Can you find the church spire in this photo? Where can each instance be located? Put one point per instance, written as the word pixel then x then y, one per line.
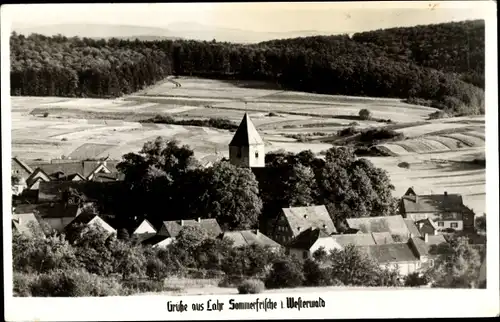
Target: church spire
pixel 247 147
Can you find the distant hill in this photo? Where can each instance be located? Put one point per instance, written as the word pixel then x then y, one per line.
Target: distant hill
pixel 173 31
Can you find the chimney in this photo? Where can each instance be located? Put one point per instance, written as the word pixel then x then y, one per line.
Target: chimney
pixel 182 222
pixel 199 219
pixel 426 238
pixel 257 232
pixel 446 193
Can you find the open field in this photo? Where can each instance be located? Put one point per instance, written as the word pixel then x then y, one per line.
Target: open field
pixel 89 128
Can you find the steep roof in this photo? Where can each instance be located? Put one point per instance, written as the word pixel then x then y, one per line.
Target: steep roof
pixel 307 238
pixel 153 240
pixel 412 228
pixel 246 134
pixel 22 164
pixel 209 225
pixel 433 203
pixel 302 218
pixel 390 253
pixel 86 218
pixel 427 221
pixel 23 222
pixel 35 175
pixel 250 237
pixel 69 167
pixel 391 224
pixel 354 239
pixel 147 223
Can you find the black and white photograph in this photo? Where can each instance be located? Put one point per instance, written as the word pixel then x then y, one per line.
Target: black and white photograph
pixel 238 160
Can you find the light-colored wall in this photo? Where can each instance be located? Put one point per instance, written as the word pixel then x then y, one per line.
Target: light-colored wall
pixel 59 223
pixel 405 268
pixel 328 243
pixel 164 243
pixel 143 228
pixel 248 158
pixel 99 222
pixel 447 224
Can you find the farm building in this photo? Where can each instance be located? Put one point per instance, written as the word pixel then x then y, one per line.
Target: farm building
pixel 250 237
pixel 172 228
pixel 144 228
pixel 76 170
pixel 90 219
pixel 311 240
pixel 395 225
pixel 247 148
pixel 24 223
pixel 447 210
pixel 295 220
pixel 400 255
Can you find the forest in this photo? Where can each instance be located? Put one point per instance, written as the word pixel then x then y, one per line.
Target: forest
pixel 439 65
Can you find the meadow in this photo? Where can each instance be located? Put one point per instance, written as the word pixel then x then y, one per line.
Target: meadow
pixel 437 150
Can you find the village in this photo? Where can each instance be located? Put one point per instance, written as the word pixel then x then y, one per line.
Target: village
pixel 403 241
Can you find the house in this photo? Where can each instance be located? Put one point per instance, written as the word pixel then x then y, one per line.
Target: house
pixel 447 210
pixel 24 223
pixel 295 220
pixel 157 241
pixel 427 226
pixel 58 216
pixel 397 255
pixel 172 228
pixel 76 170
pixel 247 148
pixel 33 181
pixel 395 225
pixel 250 237
pixel 20 168
pixel 145 228
pixel 89 219
pixel 311 240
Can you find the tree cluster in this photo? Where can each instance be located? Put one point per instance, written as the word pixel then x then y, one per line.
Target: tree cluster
pixel 412 62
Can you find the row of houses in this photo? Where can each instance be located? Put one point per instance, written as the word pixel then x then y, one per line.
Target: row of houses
pixel 57 170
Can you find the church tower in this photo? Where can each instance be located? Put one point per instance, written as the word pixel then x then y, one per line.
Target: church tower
pixel 247 147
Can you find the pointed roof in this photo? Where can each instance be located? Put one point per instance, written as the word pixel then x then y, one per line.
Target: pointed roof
pixel 246 134
pixel 23 164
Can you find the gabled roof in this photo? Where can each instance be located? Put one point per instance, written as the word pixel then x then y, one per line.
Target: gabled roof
pixel 22 222
pixel 144 222
pixel 390 253
pixel 410 192
pixel 86 218
pixel 412 228
pixel 36 175
pixel 391 224
pixel 249 237
pixel 302 218
pixel 429 222
pixel 70 167
pixel 209 225
pixel 354 239
pixel 72 177
pixel 307 238
pixel 22 164
pixel 246 134
pixel 433 203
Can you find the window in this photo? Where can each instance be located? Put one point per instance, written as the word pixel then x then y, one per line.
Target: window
pixel 256 154
pixel 440 224
pixel 454 225
pixel 305 254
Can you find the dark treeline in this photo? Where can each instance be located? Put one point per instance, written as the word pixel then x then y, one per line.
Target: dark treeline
pixel 369 64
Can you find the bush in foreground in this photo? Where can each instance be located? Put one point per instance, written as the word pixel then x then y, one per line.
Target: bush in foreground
pixel 61 283
pixel 285 274
pixel 251 287
pixel 22 283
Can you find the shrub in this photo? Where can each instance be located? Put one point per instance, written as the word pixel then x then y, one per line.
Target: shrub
pixel 251 287
pixel 45 114
pixel 365 114
pixel 353 124
pixel 230 281
pixel 272 114
pixel 378 134
pixel 348 131
pixel 64 139
pixel 156 269
pixel 404 165
pixel 314 275
pixel 416 279
pixel 22 283
pixel 66 283
pixel 285 274
pixel 438 115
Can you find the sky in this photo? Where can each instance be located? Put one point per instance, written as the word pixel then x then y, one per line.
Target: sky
pixel 262 17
